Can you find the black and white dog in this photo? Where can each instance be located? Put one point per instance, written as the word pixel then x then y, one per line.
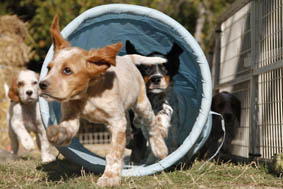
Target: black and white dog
pixel 158 80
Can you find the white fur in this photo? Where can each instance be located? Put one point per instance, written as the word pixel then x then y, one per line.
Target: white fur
pixel 138 59
pixel 6 88
pixel 24 117
pixel 66 53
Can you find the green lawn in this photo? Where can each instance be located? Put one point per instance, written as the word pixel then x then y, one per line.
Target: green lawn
pixel 29 172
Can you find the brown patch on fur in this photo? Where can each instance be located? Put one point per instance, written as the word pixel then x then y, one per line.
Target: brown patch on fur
pixel 58 40
pixel 146 79
pixel 69 108
pixel 167 79
pixel 111 174
pixel 121 136
pixel 69 137
pixel 13 93
pixel 101 59
pixel 79 80
pixel 50 65
pixel 102 83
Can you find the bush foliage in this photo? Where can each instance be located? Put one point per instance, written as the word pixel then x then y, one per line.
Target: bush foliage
pixel 39 14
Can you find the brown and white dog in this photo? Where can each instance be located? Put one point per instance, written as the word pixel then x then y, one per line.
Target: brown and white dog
pixel 101 87
pixel 23 115
pixel 159 85
pixel 229 107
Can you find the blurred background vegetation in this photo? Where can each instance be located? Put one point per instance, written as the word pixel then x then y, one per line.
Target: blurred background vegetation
pixel 197 16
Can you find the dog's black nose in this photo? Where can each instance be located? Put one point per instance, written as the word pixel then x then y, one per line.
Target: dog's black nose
pixel 155 79
pixel 29 92
pixel 43 85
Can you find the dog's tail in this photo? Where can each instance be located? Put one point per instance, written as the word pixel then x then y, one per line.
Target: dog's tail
pixel 139 59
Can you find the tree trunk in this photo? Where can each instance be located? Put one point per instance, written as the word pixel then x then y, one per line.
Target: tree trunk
pixel 200 23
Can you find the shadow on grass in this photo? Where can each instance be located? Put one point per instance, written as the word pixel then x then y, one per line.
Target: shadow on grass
pixel 61 169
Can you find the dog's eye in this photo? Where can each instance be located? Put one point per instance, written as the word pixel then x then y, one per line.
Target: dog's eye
pixel 34 83
pixel 67 71
pixel 163 69
pixel 147 69
pixel 20 84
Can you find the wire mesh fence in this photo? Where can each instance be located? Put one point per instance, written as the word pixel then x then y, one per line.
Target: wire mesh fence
pixel 250 66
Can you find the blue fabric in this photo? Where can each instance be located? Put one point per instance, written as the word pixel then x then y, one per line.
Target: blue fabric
pixel 149 30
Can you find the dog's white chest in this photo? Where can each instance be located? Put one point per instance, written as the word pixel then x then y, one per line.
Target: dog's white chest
pixel 27 115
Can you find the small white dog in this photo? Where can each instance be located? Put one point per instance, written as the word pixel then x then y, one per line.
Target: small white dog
pixel 23 115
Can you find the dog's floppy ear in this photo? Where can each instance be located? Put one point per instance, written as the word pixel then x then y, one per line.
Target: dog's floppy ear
pixel 130 48
pixel 98 61
pixel 13 93
pixel 175 51
pixel 58 41
pixel 173 59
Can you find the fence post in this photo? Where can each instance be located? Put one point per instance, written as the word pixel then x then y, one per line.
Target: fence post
pixel 217 56
pixel 254 134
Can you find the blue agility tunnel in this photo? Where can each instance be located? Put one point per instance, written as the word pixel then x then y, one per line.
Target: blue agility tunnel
pixel 150 30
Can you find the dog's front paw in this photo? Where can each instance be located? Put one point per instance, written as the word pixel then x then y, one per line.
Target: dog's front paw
pixel 104 181
pixel 158 146
pixel 58 135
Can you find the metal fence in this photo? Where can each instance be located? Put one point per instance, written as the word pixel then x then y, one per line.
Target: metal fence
pixel 249 63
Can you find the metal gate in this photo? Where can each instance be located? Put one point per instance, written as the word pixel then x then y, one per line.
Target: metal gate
pixel 249 63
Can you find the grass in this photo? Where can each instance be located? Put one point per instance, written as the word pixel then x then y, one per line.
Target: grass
pixel 29 172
